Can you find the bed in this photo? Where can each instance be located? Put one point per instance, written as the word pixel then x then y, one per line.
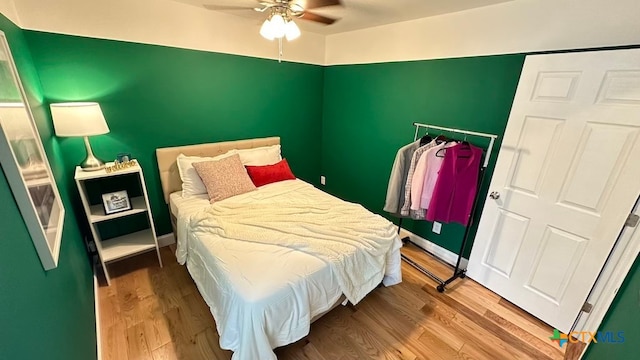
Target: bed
pixel 266 278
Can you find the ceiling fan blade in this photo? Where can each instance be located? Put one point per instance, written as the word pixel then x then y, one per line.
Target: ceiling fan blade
pixel 226 7
pixel 314 4
pixel 317 18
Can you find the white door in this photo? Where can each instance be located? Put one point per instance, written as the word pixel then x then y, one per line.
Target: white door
pixel 568 175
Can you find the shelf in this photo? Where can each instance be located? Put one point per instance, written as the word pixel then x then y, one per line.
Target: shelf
pixel 82 175
pixel 138 205
pixel 121 246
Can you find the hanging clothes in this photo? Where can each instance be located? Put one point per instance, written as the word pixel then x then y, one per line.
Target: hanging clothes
pixel 398 178
pixel 434 164
pixel 456 186
pixel 406 207
pixel 424 163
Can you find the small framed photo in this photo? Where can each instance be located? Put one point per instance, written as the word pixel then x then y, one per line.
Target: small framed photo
pixel 115 202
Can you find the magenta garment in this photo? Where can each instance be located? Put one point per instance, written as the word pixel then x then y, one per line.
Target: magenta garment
pixel 457 185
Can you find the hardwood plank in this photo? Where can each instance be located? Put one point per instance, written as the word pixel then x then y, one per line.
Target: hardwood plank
pixel 181 277
pixel 547 347
pixel 440 346
pixel 109 311
pixel 196 313
pixel 400 326
pixel 415 316
pixel 404 298
pixel 211 337
pixel 204 349
pixel 427 261
pixel 182 341
pixel 503 341
pixel 394 322
pixel 164 288
pixel 525 321
pixel 137 348
pixel 476 352
pixel 142 283
pixel 310 352
pixel 574 350
pixel 397 343
pixel 163 314
pixel 165 352
pixel 333 346
pixel 364 338
pixel 156 328
pixel 128 300
pixel 114 342
pixel 439 322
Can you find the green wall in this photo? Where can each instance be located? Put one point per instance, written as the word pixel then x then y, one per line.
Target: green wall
pixel 156 96
pixel 623 315
pixel 345 122
pixel 44 315
pixel 369 111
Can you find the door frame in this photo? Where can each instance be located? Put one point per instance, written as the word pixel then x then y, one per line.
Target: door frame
pixel 614 271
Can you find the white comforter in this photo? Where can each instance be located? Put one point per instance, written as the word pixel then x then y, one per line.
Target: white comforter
pixel 291 216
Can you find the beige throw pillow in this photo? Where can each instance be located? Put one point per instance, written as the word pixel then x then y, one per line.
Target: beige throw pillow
pixel 224 178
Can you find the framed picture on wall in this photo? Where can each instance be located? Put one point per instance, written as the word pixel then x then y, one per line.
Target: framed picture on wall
pixel 25 164
pixel 116 202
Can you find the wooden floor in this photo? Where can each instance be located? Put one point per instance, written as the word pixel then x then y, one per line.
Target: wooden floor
pixel 153 313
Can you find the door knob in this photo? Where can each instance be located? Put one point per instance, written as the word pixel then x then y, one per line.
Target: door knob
pixel 494 195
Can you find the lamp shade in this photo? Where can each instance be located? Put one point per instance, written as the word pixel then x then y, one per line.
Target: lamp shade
pixel 277 26
pixel 267 30
pixel 292 30
pixel 78 119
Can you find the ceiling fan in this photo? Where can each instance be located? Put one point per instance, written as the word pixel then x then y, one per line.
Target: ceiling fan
pixel 280 14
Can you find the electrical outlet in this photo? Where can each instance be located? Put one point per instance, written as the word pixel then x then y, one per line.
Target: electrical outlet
pixel 437 227
pixel 323 180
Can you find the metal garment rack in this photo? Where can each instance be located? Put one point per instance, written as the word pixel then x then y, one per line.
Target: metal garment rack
pixel 457 272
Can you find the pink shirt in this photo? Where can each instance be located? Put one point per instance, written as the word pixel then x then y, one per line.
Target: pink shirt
pixel 431 176
pixel 457 185
pixel 424 162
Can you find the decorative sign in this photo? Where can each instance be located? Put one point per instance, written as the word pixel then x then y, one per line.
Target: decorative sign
pixel 120 166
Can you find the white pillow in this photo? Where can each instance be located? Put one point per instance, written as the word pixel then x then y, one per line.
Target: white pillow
pixel 191 182
pixel 266 155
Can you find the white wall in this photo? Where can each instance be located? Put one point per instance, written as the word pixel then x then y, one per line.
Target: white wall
pixel 163 22
pixel 7 8
pixel 512 27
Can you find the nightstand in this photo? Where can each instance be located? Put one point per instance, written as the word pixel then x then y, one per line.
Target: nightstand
pixel 122 234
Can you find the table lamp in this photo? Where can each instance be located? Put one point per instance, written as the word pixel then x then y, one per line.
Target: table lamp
pixel 80 119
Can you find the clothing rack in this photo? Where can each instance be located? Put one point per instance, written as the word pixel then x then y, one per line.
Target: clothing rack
pixel 457 272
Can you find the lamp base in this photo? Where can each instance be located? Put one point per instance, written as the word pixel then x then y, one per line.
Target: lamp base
pixel 91 163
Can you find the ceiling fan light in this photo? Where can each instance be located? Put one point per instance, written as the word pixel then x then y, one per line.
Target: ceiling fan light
pixel 266 30
pixel 278 26
pixel 292 31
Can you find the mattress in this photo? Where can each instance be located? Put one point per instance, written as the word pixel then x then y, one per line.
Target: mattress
pixel 189 204
pixel 262 295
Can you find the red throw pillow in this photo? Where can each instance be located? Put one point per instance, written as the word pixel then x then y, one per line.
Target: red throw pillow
pixel 267 174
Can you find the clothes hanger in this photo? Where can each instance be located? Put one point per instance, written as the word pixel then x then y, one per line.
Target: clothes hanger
pixel 441 138
pixel 425 139
pixel 464 145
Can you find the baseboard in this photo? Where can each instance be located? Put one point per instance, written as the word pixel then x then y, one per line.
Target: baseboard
pixel 97 311
pixel 437 250
pixel 166 240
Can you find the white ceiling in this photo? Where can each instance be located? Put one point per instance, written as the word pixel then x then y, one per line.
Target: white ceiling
pixel 358 14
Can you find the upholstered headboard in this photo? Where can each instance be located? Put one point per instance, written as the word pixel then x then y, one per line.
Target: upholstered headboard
pixel 169 176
